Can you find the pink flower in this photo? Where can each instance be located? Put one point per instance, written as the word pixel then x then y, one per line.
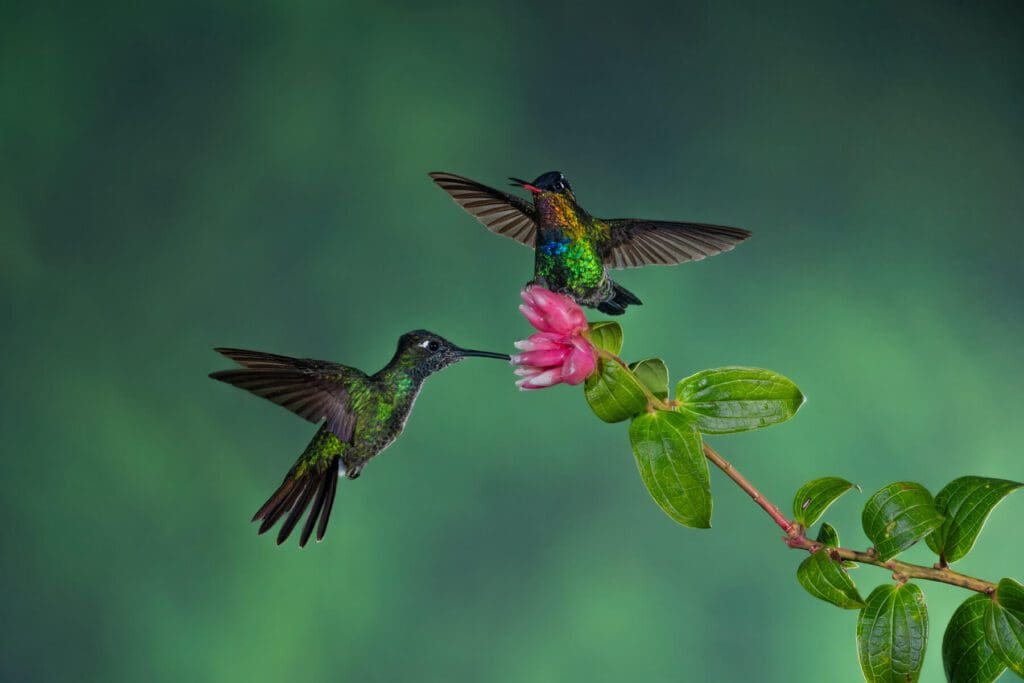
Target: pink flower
pixel 559 352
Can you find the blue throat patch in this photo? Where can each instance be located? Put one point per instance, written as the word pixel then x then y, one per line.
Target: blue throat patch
pixel 556 246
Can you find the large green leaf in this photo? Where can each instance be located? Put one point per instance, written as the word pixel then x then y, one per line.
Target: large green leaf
pixel 892 634
pixel 966 654
pixel 653 374
pixel 606 335
pixel 814 497
pixel 1004 624
pixel 736 399
pixel 898 516
pixel 672 465
pixel 613 393
pixel 824 577
pixel 966 503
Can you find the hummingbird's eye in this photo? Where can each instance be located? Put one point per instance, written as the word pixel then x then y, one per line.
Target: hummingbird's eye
pixel 433 345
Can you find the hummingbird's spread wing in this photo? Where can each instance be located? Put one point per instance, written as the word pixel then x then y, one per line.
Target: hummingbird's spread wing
pixel 635 242
pixel 313 389
pixel 502 213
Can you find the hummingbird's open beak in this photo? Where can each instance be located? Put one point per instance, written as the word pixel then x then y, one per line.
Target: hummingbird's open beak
pixel 484 354
pixel 516 182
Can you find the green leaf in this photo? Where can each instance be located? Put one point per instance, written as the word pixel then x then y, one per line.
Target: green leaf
pixel 613 393
pixel 966 503
pixel 892 633
pixel 735 399
pixel 828 536
pixel 898 516
pixel 672 465
pixel 653 374
pixel 814 497
pixel 966 654
pixel 824 577
pixel 606 335
pixel 1004 624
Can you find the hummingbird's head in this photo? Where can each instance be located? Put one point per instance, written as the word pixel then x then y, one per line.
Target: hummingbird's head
pixel 552 181
pixel 429 352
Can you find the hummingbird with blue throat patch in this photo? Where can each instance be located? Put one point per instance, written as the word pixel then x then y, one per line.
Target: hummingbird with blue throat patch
pixel 573 250
pixel 360 416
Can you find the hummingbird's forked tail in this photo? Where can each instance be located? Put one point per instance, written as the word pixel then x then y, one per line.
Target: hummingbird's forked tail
pixel 304 481
pixel 621 298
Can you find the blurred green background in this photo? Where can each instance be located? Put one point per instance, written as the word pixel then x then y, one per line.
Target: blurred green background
pixel 178 176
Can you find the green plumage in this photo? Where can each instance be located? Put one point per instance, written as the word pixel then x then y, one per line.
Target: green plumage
pixel 361 415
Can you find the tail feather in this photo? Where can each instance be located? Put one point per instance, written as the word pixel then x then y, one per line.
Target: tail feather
pixel 293 497
pixel 314 512
pixel 325 514
pixel 297 510
pixel 621 298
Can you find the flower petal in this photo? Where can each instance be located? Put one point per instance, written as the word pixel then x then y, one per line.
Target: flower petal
pixel 558 310
pixel 527 296
pixel 535 318
pixel 544 379
pixel 541 341
pixel 543 359
pixel 578 366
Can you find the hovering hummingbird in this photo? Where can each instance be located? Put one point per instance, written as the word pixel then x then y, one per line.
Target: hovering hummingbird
pixel 361 414
pixel 574 250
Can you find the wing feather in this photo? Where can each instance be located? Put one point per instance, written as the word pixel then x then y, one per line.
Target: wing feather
pixel 636 242
pixel 500 212
pixel 313 389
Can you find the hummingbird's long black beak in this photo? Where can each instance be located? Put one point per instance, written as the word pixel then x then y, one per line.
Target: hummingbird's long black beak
pixel 483 354
pixel 516 182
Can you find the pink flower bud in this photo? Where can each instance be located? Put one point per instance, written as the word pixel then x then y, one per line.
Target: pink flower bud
pixel 559 353
pixel 550 312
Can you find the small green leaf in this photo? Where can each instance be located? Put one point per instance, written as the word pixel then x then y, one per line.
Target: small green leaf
pixel 814 497
pixel 828 536
pixel 1004 624
pixel 653 374
pixel 892 634
pixel 966 654
pixel 672 465
pixel 966 503
pixel 736 399
pixel 824 577
pixel 606 335
pixel 613 393
pixel 898 516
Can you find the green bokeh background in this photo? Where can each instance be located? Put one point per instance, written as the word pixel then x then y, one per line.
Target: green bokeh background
pixel 183 175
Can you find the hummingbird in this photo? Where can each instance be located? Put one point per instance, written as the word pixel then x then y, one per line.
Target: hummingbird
pixel 574 250
pixel 360 416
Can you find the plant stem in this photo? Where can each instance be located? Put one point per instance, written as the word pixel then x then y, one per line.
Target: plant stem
pixel 773 510
pixel 795 538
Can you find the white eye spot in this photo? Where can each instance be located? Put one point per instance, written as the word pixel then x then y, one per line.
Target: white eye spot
pixel 424 344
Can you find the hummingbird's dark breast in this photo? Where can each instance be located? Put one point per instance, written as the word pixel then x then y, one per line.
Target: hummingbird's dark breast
pixel 381 413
